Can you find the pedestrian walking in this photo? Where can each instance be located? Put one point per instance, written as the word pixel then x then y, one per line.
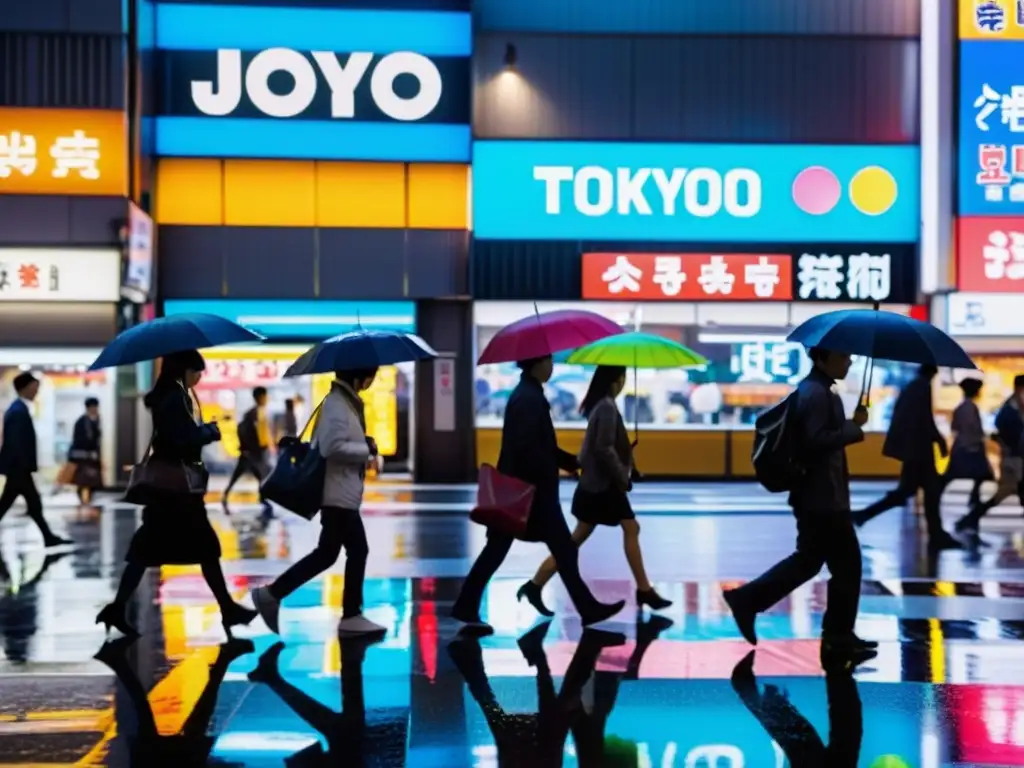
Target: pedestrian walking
pixel 340 436
pixel 175 529
pixel 821 505
pixel 85 451
pixel 911 439
pixel 18 460
pixel 253 447
pixel 606 475
pixel 1010 437
pixel 530 453
pixel 967 458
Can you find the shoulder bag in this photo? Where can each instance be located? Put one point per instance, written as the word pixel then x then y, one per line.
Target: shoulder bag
pixel 297 480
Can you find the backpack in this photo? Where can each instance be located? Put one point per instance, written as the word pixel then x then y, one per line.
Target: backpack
pixel 774 455
pixel 248 435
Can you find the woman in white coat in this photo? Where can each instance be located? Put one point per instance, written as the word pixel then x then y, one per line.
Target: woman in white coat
pixel 340 436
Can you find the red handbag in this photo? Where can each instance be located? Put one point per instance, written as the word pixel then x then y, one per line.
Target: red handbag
pixel 502 502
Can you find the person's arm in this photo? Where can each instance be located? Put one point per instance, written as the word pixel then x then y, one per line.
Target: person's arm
pixel 819 433
pixel 176 426
pixel 522 436
pixel 605 425
pixel 333 434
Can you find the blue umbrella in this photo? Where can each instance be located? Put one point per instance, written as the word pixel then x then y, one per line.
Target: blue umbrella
pixel 883 336
pixel 165 335
pixel 361 349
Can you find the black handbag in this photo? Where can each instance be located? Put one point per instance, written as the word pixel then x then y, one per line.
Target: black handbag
pixel 154 479
pixel 297 481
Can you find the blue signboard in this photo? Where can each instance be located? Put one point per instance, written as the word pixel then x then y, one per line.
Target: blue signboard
pixel 313 83
pixel 304 320
pixel 991 128
pixel 695 192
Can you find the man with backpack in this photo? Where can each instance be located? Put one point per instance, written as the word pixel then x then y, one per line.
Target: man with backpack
pixel 811 438
pixel 253 445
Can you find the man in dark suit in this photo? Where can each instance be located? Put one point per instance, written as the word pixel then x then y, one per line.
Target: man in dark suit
pixel 18 458
pixel 530 452
pixel 821 505
pixel 911 439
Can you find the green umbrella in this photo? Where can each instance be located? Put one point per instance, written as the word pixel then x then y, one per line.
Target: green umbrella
pixel 637 350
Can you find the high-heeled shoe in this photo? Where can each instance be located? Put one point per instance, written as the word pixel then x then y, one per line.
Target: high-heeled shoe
pixel 532 593
pixel 112 616
pixel 237 616
pixel 652 599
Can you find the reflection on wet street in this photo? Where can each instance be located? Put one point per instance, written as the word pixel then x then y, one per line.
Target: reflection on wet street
pixel 679 689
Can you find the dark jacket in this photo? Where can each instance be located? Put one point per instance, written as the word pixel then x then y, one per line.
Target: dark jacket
pixel 1009 426
pixel 176 435
pixel 18 452
pixel 824 434
pixel 249 434
pixel 606 458
pixel 85 441
pixel 530 452
pixel 912 432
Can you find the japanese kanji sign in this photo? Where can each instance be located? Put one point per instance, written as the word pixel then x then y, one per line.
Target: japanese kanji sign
pixel 687 276
pixel 63 152
pixel 860 273
pixel 991 128
pixel 45 274
pixel 990 254
pixel 991 20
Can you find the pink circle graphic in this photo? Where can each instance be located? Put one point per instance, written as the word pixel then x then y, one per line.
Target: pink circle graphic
pixel 816 190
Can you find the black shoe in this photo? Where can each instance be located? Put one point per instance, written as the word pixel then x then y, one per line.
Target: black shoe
pixel 943 541
pixel 52 542
pixel 744 617
pixel 532 592
pixel 531 645
pixel 602 612
pixel 233 649
pixel 843 656
pixel 113 651
pixel 851 642
pixel 652 599
pixel 237 615
pixel 968 522
pixel 113 616
pixel 472 625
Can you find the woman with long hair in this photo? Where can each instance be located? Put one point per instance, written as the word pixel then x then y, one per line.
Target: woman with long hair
pixel 606 475
pixel 175 530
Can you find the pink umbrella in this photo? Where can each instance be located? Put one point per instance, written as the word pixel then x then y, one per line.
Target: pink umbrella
pixel 545 334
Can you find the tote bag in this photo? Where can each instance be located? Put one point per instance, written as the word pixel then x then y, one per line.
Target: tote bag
pixel 502 502
pixel 297 482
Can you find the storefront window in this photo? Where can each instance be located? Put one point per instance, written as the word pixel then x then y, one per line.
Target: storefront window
pixel 225 394
pixel 64 386
pixel 750 367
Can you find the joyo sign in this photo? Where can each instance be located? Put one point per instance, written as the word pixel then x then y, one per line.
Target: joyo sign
pixel 223 96
pixel 695 193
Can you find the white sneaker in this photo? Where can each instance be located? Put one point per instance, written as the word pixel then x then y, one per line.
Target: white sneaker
pixel 268 608
pixel 359 625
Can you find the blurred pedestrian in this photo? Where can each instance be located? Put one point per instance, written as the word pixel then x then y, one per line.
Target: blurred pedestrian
pixel 967 458
pixel 530 453
pixel 18 458
pixel 606 475
pixel 821 505
pixel 290 423
pixel 176 530
pixel 253 447
pixel 912 439
pixel 1010 437
pixel 85 451
pixel 340 436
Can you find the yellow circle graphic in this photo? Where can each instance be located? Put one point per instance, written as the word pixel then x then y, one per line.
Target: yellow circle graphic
pixel 873 190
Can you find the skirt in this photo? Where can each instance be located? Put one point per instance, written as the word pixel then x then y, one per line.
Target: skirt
pixel 174 534
pixel 968 465
pixel 609 507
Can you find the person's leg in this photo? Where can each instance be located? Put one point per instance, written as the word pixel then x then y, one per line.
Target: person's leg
pixel 356 551
pixel 214 576
pixel 934 485
pixel 323 556
pixel 547 569
pixel 975 498
pixel 837 538
pixel 1006 488
pixel 319 717
pixel 241 467
pixel 566 555
pixel 904 490
pixel 635 558
pixel 467 606
pixel 9 495
pixel 34 511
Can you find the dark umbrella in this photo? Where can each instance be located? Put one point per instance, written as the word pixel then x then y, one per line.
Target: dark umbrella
pixel 165 335
pixel 361 349
pixel 882 335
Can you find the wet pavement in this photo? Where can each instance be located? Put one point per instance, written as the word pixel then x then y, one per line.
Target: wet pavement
pixel 667 691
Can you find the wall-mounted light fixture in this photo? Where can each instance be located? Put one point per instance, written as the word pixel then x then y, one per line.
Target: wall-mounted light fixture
pixel 511 56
